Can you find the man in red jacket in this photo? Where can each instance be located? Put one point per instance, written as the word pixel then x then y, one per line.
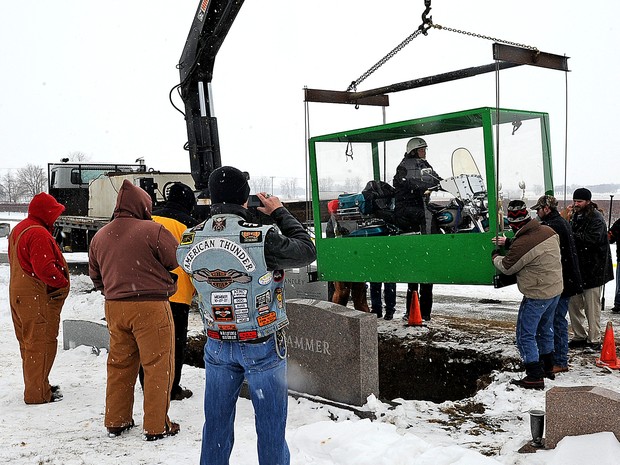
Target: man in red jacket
pixel 38 287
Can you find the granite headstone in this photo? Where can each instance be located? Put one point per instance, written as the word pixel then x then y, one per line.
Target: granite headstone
pixel 298 285
pixel 88 333
pixel 332 350
pixel 578 410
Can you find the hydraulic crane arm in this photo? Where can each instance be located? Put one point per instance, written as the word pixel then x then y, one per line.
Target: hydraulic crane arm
pixel 211 24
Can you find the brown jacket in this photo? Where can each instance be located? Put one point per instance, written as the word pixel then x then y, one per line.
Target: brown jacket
pixel 534 256
pixel 131 257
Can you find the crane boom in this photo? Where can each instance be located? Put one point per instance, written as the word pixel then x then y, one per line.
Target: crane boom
pixel 210 26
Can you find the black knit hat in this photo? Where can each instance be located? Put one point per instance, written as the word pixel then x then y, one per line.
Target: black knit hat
pixel 182 194
pixel 582 194
pixel 229 185
pixel 518 214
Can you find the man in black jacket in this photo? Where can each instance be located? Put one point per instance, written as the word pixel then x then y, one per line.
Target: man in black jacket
pixel 547 210
pixel 414 176
pixel 590 233
pixel 614 238
pixel 237 267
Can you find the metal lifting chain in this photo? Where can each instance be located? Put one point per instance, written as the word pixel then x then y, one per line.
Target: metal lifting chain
pixel 427 23
pixel 480 36
pixel 382 61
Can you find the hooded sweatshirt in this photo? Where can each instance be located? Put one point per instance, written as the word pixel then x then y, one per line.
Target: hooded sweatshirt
pixel 38 253
pixel 131 257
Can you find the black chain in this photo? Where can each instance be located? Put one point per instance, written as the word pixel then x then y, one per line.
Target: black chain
pixel 427 23
pixel 480 36
pixel 382 61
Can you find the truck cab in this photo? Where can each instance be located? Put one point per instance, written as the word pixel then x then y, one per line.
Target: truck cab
pixel 68 182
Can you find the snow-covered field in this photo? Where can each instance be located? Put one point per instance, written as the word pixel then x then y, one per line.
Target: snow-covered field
pixel 71 432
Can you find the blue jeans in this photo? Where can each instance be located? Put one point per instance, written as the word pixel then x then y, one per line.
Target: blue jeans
pixel 389 294
pixel 226 365
pixel 560 333
pixel 535 328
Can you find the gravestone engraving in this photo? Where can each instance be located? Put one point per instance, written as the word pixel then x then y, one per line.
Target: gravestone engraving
pixel 332 350
pixel 578 410
pixel 299 287
pixel 88 333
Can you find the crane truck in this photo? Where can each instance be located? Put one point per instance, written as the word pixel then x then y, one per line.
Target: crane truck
pixel 89 190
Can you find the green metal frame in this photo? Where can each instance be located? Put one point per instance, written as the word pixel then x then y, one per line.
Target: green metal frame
pixel 463 258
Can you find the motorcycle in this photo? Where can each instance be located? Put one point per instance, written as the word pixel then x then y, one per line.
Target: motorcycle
pixel 467 211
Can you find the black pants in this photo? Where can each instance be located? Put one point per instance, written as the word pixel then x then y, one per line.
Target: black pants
pixel 180 315
pixel 425 295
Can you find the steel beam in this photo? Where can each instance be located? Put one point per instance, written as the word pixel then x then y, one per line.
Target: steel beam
pixel 525 56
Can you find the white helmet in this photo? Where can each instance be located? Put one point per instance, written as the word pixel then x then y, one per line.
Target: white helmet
pixel 415 143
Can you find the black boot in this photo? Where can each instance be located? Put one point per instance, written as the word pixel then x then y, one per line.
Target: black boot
pixel 534 376
pixel 547 360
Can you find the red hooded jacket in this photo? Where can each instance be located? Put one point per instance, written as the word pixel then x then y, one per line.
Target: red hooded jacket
pixel 38 253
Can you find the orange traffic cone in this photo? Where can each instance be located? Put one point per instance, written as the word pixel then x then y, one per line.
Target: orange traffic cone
pixel 608 358
pixel 415 315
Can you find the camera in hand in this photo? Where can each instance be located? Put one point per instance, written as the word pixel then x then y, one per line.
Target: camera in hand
pixel 254 201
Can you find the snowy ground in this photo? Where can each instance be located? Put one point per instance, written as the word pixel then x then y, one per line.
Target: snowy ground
pixel 71 432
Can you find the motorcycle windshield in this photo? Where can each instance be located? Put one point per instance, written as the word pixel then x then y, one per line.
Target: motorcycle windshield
pixel 463 163
pixel 466 182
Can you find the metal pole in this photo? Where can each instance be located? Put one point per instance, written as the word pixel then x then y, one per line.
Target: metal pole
pixel 607 256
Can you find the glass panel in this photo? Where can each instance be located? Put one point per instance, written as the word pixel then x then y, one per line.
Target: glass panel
pixel 521 166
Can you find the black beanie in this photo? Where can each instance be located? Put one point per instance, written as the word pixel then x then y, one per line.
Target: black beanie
pixel 182 194
pixel 582 194
pixel 229 185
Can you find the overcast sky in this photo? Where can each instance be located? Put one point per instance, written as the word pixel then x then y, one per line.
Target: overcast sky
pixel 94 77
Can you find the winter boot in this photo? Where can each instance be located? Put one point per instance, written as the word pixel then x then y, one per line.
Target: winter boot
pixel 547 360
pixel 534 378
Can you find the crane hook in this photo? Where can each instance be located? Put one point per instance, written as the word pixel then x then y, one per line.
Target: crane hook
pixel 427 21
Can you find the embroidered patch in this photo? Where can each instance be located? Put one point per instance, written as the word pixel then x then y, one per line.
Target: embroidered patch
pixel 219 224
pixel 268 318
pixel 220 279
pixel 240 302
pixel 263 299
pixel 249 237
pixel 213 334
pixel 218 243
pixel 245 224
pixel 221 298
pixel 223 313
pixel 265 279
pixel 187 238
pixel 228 335
pixel 247 335
pixel 278 275
pixel 227 327
pixel 279 292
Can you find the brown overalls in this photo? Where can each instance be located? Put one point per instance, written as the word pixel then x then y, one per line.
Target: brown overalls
pixel 141 332
pixel 357 292
pixel 36 318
